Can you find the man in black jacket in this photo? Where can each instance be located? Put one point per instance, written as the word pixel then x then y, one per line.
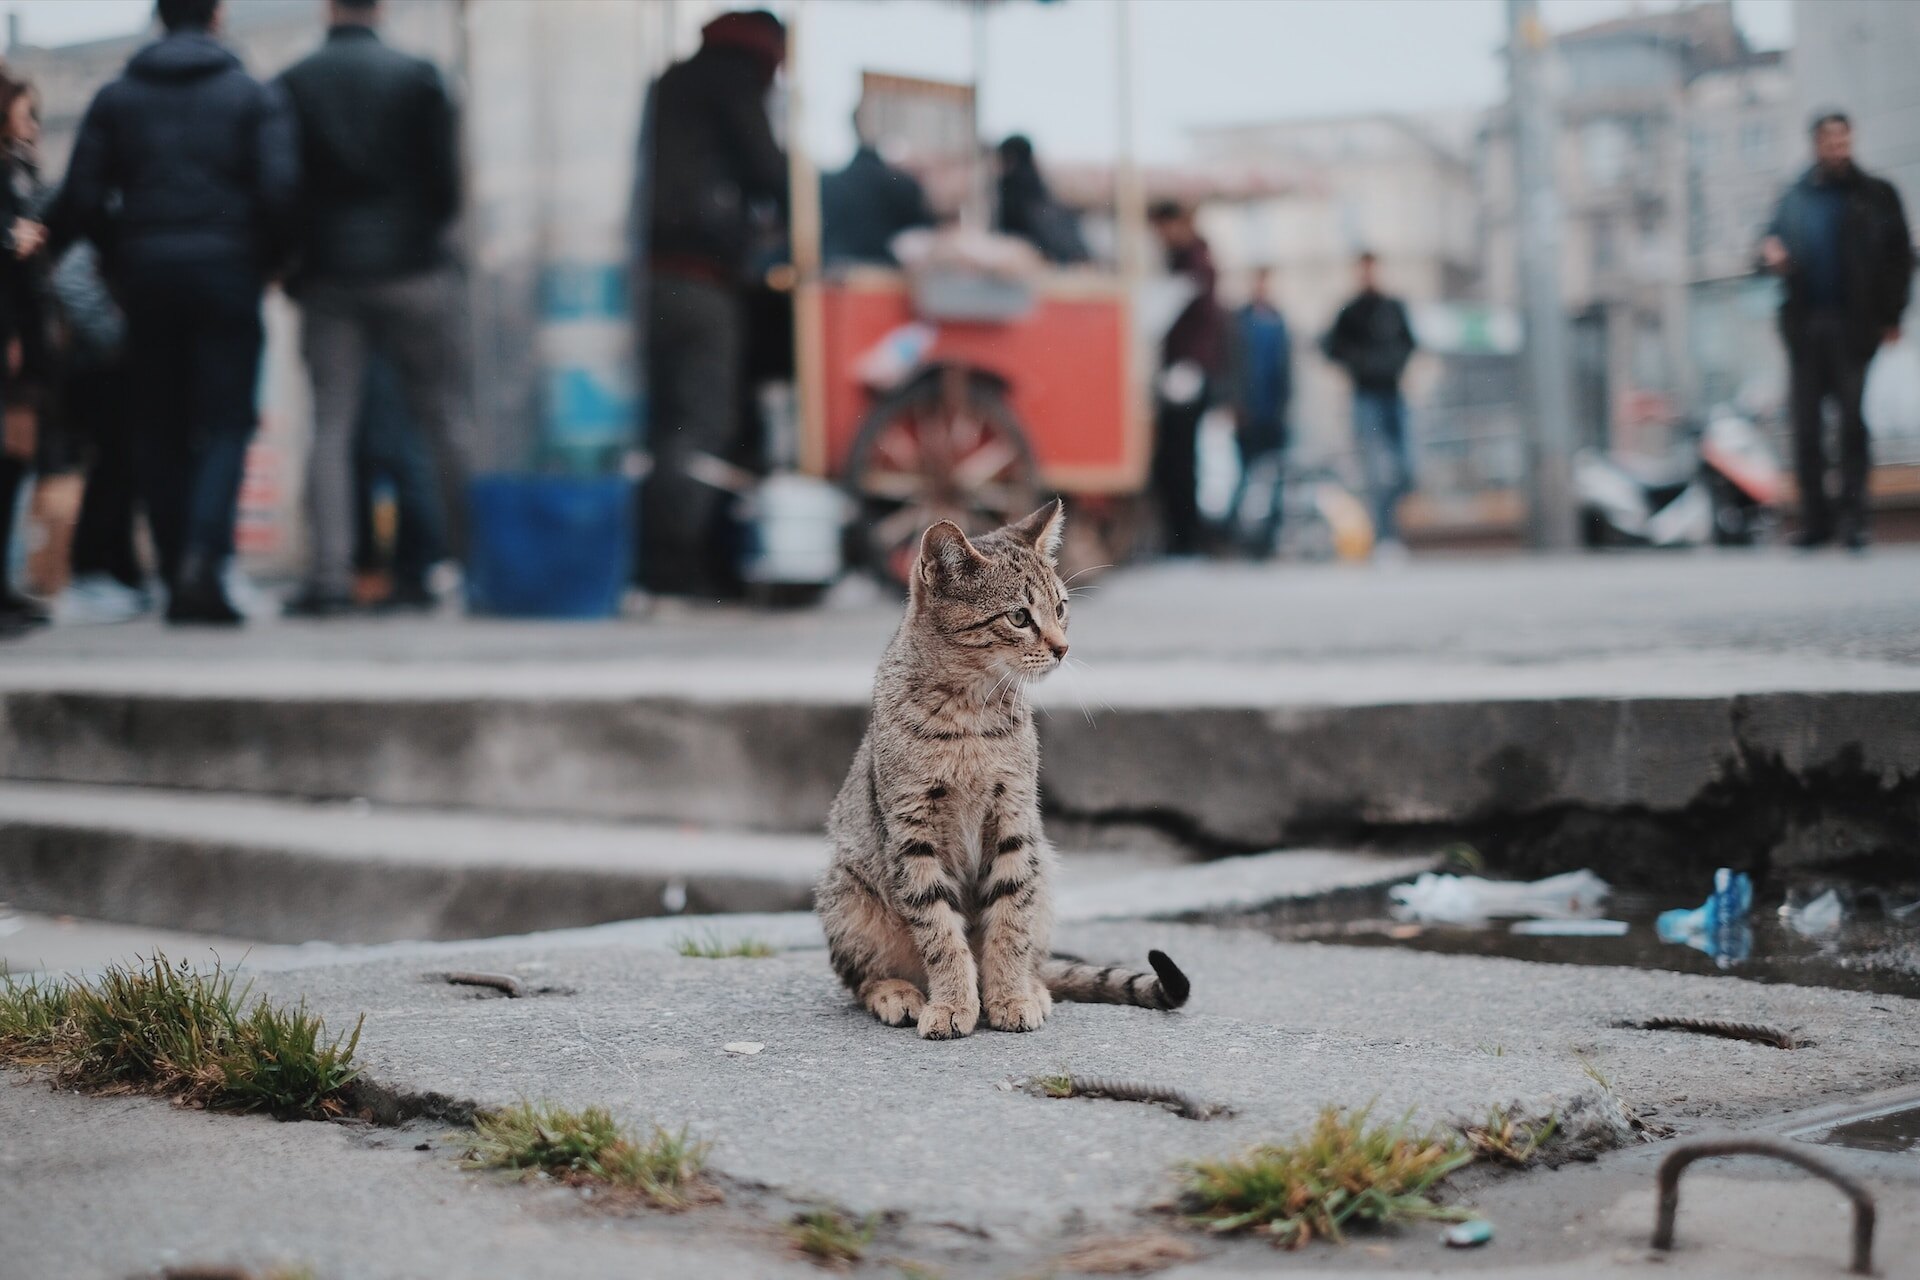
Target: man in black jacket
pixel 377 142
pixel 712 158
pixel 1840 239
pixel 186 175
pixel 1372 340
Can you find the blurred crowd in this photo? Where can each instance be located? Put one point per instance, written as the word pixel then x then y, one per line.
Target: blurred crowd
pixel 131 335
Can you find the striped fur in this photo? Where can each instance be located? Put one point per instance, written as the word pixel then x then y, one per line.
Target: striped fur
pixel 936 905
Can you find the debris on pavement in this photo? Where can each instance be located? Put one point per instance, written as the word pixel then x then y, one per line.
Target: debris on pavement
pixel 505 984
pixel 1751 1031
pixel 1451 899
pixel 1470 1234
pixel 1719 926
pixel 1128 1255
pixel 1816 919
pixel 1180 1103
pixel 747 1047
pixel 1570 928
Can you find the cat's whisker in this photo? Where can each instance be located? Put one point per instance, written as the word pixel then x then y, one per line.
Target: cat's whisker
pixel 1092 568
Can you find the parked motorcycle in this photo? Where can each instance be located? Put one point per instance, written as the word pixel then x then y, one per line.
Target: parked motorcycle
pixel 1726 492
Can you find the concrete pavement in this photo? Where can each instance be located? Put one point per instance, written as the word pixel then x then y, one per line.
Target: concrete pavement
pixel 981 1179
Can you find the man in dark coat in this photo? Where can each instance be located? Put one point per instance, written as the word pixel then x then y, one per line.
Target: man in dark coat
pixel 1840 239
pixel 186 174
pixel 865 205
pixel 378 144
pixel 1372 340
pixel 1193 357
pixel 708 158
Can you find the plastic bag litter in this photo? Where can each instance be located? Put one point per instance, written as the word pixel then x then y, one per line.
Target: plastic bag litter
pixel 1451 899
pixel 1717 926
pixel 1817 918
pixel 1569 928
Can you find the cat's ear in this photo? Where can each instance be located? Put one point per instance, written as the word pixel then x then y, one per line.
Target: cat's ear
pixel 945 552
pixel 1044 529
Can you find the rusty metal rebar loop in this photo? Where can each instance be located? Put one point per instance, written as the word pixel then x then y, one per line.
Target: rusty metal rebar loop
pixel 1674 1165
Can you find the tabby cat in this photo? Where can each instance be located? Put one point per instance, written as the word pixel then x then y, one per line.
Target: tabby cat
pixel 936 904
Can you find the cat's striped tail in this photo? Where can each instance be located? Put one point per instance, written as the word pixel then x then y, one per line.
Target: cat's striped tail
pixel 1070 978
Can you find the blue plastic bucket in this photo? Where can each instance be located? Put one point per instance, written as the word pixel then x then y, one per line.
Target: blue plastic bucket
pixel 549 546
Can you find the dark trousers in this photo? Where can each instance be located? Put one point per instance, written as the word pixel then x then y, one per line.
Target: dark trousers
pixel 1824 362
pixel 1175 478
pixel 193 358
pixel 103 537
pixel 1380 428
pixel 695 365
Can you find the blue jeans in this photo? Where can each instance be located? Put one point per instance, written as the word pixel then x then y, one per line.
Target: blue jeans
pixel 1380 428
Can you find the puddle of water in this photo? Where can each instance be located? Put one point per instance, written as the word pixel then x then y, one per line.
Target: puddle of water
pixel 1868 952
pixel 1897 1131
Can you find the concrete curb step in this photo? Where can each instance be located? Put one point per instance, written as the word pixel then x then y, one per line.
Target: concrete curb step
pixel 287 872
pixel 1216 777
pixel 281 872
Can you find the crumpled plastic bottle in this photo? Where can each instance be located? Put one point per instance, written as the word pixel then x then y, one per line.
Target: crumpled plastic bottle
pixel 1717 926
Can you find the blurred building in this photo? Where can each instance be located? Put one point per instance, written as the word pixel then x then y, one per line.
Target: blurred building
pixel 1673 140
pixel 550 97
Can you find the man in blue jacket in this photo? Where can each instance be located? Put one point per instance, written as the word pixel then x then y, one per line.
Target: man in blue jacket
pixel 1260 389
pixel 1839 238
pixel 186 175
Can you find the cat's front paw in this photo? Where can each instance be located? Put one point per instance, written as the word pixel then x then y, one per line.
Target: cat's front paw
pixel 1020 1010
pixel 947 1022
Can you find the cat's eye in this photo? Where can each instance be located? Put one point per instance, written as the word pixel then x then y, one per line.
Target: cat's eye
pixel 1020 618
pixel 1060 610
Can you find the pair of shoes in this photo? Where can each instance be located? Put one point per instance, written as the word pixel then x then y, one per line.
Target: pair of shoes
pixel 199 601
pixel 317 604
pixel 99 599
pixel 1811 539
pixel 21 611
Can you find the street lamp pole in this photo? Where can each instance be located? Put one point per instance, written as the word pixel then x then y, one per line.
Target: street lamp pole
pixel 1549 369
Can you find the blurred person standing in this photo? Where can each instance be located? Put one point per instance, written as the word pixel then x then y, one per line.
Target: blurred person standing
pixel 1192 360
pixel 109 582
pixel 23 331
pixel 379 150
pixel 712 159
pixel 386 451
pixel 1839 239
pixel 1025 206
pixel 866 204
pixel 1260 389
pixel 1372 340
pixel 186 175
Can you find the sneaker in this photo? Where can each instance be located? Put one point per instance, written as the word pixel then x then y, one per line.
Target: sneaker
pixel 99 599
pixel 318 605
pixel 20 609
pixel 200 602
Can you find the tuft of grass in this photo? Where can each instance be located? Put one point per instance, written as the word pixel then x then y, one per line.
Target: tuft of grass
pixel 1592 1072
pixel 160 1028
pixel 1493 1050
pixel 1504 1140
pixel 1059 1085
pixel 590 1146
pixel 32 1012
pixel 714 947
pixel 831 1238
pixel 1339 1174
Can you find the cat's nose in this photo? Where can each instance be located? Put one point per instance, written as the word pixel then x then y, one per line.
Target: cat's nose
pixel 1059 648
